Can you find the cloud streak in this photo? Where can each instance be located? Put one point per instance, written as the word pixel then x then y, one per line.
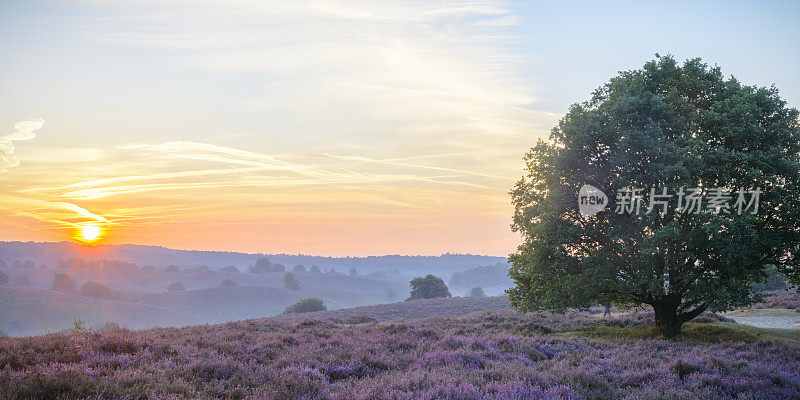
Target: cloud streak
pixel 23 130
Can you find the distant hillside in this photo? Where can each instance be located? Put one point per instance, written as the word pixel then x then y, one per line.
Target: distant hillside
pixel 493 279
pixel 51 252
pixel 28 311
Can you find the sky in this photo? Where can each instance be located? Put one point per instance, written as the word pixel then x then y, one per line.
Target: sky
pixel 321 127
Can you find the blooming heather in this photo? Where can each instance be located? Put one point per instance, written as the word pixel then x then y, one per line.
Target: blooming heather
pixel 485 355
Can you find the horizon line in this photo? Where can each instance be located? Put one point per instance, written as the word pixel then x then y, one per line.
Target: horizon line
pixel 256 254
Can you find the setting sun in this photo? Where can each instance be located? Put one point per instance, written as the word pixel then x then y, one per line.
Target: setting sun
pixel 89 233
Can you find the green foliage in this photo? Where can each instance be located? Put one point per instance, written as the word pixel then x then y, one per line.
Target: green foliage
pixel 352 271
pixel 477 292
pixel 315 269
pixel 429 287
pixel 64 283
pixel 662 126
pixel 299 268
pixel 291 282
pixel 391 295
pixel 3 278
pixel 230 268
pixel 310 304
pixel 176 287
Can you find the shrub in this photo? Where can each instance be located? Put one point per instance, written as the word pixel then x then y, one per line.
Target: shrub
pixel 173 269
pixel 391 295
pixel 28 264
pixel 228 283
pixel 263 265
pixel 299 268
pixel 315 269
pixel 176 287
pixel 310 304
pixel 477 292
pixel 377 275
pixel 230 268
pixel 3 278
pixel 291 282
pixel 194 270
pixel 22 281
pixel 429 287
pixel 64 283
pixel 3 264
pixel 352 271
pixel 96 290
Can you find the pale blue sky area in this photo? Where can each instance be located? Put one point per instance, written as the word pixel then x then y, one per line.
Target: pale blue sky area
pixel 57 63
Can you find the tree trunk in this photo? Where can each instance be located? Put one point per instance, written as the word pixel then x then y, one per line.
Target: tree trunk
pixel 669 320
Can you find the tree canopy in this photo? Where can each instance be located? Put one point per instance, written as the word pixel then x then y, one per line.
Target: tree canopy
pixel 429 287
pixel 666 129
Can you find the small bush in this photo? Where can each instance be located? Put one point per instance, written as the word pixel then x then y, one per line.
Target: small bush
pixel 291 282
pixel 477 292
pixel 3 278
pixel 310 304
pixel 299 268
pixel 230 268
pixel 64 283
pixel 228 283
pixel 315 269
pixel 96 290
pixel 176 287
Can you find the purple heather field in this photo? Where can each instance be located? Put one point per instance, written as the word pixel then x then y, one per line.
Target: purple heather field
pixel 496 354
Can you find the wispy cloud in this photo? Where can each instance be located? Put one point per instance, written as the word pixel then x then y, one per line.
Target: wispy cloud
pixel 23 130
pixel 378 117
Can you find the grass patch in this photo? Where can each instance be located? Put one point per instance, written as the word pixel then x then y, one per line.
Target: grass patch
pixel 718 333
pixel 715 333
pixel 763 312
pixel 789 336
pixel 615 332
